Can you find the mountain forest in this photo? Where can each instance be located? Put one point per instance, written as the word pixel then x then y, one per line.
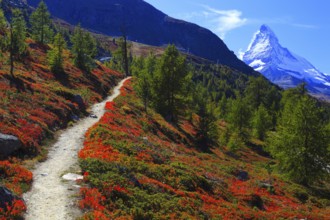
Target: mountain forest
pixel 185 137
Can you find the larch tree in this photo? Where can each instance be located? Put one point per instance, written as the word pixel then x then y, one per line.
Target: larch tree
pixel 261 122
pixel 83 48
pixel 17 35
pixel 145 78
pixel 55 55
pixel 3 22
pixel 3 27
pixel 301 141
pixel 239 115
pixel 41 24
pixel 207 128
pixel 171 81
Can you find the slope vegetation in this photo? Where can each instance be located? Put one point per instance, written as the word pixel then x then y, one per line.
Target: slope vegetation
pixel 36 103
pixel 138 166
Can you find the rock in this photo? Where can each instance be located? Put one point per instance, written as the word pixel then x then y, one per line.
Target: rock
pixel 72 177
pixel 242 175
pixel 44 174
pixel 6 197
pixel 74 118
pixel 92 116
pixel 105 59
pixel 268 186
pixel 9 144
pixel 79 100
pixel 256 201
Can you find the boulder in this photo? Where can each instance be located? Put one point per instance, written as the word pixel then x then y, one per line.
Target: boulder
pixel 6 197
pixel 79 100
pixel 255 201
pixel 242 175
pixel 8 144
pixel 72 177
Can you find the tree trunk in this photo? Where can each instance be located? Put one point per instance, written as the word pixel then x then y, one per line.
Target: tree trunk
pixel 125 56
pixel 11 51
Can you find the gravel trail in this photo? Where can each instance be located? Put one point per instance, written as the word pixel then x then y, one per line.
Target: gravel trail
pixel 51 197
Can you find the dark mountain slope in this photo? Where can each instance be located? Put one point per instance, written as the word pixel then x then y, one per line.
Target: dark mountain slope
pixel 145 24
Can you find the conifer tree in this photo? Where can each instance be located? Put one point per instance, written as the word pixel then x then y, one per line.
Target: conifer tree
pixel 145 72
pixel 83 48
pixel 207 129
pixel 17 35
pixel 120 60
pixel 171 82
pixel 239 115
pixel 223 106
pixel 301 142
pixel 261 122
pixel 41 24
pixel 55 55
pixel 3 27
pixel 143 88
pixel 3 23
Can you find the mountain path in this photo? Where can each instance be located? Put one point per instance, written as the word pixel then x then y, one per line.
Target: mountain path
pixel 51 197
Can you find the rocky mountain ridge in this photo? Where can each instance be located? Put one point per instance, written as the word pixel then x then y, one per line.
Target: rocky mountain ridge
pixel 145 24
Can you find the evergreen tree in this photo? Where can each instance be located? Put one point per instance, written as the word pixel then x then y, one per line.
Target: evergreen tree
pixel 171 81
pixel 239 115
pixel 207 129
pixel 144 70
pixel 91 46
pixel 3 23
pixel 120 60
pixel 261 122
pixel 235 142
pixel 41 24
pixel 222 106
pixel 137 65
pixel 55 55
pixel 301 142
pixel 256 92
pixel 17 35
pixel 3 26
pixel 83 48
pixel 143 88
pixel 124 54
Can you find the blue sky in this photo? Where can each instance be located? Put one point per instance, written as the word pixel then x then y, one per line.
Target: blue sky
pixel 303 26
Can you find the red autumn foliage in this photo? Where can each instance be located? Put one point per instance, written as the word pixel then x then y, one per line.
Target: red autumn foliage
pixel 110 106
pixel 39 102
pixel 165 161
pixel 13 176
pixel 92 199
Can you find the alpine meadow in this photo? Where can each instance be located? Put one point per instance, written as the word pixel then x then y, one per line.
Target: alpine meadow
pixel 112 109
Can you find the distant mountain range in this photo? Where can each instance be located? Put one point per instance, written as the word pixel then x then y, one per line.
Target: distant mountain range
pixel 145 24
pixel 281 66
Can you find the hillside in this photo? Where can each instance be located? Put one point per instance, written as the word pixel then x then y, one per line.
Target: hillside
pixel 138 166
pixel 37 103
pixel 143 23
pixel 183 138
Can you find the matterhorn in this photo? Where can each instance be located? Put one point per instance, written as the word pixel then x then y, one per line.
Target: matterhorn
pixel 281 66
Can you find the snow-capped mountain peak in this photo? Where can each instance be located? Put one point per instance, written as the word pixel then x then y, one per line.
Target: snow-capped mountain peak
pixel 266 55
pixel 264 38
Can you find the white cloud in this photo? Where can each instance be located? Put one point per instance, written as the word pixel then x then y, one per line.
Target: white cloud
pixel 224 20
pixel 240 54
pixel 306 26
pixel 219 21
